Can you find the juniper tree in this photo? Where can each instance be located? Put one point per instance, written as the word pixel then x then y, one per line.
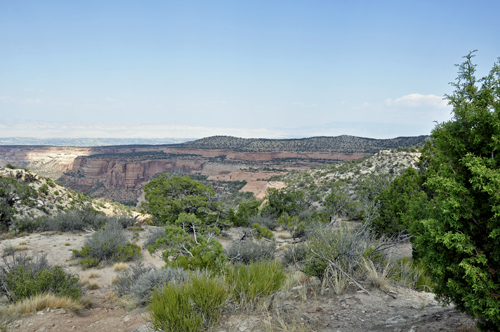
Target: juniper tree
pixel 456 227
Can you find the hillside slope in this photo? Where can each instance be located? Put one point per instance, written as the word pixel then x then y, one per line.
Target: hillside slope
pixel 317 183
pixel 49 198
pixel 339 144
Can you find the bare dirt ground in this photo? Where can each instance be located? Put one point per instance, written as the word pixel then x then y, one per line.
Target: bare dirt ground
pixel 302 308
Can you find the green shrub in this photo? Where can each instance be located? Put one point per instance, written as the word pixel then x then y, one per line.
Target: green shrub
pixel 11 192
pixel 190 251
pixel 249 283
pixel 262 231
pixel 27 224
pixel 192 306
pixel 50 182
pixel 128 277
pixel 281 201
pixel 169 196
pixel 171 309
pixel 245 211
pixel 147 282
pixel 345 246
pixel 153 235
pixel 294 254
pixel 107 245
pixel 250 251
pixel 22 278
pixel 411 273
pixel 294 225
pixel 44 189
pixel 10 166
pixel 268 222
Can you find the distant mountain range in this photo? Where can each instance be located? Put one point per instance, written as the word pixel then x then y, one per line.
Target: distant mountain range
pixel 338 144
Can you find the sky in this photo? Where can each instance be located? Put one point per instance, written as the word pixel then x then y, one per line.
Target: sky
pixel 274 69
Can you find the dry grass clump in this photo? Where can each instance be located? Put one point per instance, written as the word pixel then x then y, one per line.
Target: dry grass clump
pixel 379 277
pixel 93 275
pixel 120 266
pixel 284 236
pixel 8 249
pixel 43 301
pixel 93 285
pixel 115 279
pixel 21 248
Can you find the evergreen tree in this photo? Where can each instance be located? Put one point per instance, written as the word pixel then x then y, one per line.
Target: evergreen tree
pixel 456 228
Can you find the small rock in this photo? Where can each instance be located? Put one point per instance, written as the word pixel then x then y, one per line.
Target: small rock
pixel 126 319
pixel 42 329
pixel 243 328
pixel 58 311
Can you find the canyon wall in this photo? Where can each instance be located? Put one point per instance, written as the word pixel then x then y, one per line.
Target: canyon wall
pixel 120 172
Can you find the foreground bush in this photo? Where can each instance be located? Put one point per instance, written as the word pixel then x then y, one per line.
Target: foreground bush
pixel 249 283
pixel 106 246
pixel 249 251
pixel 22 278
pixel 127 278
pixel 191 306
pixel 347 253
pixel 146 283
pixel 458 235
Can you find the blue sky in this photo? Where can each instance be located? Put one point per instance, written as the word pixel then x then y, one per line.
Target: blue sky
pixel 242 68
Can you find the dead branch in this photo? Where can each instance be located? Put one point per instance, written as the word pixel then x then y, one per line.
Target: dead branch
pixel 342 271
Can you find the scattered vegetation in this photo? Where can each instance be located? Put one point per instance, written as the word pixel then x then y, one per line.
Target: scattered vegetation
pixel 250 251
pixel 255 281
pixel 262 231
pixel 107 245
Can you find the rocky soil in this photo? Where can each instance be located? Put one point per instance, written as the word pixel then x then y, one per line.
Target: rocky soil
pixel 304 305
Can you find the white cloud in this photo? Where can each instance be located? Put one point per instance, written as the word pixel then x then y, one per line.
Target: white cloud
pixel 418 100
pixel 27 89
pixel 4 97
pixel 111 99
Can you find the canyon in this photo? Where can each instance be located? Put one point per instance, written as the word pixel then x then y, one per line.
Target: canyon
pixel 120 172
